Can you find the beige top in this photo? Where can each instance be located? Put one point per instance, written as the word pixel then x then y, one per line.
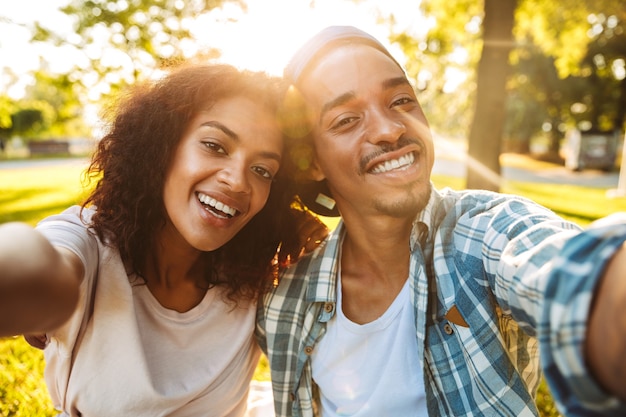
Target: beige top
pixel 135 358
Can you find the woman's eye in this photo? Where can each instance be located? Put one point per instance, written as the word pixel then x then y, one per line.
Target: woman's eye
pixel 215 147
pixel 263 173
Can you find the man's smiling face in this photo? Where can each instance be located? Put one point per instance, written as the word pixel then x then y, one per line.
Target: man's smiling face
pixel 372 140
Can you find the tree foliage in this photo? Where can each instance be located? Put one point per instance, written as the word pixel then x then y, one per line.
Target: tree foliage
pixel 591 96
pixel 556 58
pixel 484 143
pixel 50 109
pixel 449 48
pixel 7 108
pixel 65 117
pixel 119 42
pixel 123 40
pixel 26 118
pixel 561 29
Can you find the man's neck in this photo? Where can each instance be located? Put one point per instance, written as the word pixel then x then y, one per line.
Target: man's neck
pixel 374 267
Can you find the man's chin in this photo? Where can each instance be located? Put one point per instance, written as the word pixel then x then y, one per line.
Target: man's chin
pixel 408 207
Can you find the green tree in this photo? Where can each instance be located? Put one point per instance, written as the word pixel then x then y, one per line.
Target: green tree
pixel 62 94
pixel 485 136
pixel 121 42
pixel 124 40
pixel 7 108
pixel 604 64
pixel 539 99
pixel 559 30
pixel 27 119
pixel 450 46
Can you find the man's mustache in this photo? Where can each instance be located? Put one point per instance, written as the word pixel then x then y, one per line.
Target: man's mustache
pixel 386 147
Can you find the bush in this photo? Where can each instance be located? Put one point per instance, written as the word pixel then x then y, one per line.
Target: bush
pixel 22 390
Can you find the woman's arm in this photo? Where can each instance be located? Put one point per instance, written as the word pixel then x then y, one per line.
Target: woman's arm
pixel 606 334
pixel 38 282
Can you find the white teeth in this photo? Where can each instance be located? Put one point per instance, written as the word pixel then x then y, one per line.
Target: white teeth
pixel 217 205
pixel 402 162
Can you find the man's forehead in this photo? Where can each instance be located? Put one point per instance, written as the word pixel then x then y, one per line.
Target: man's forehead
pixel 348 69
pixel 325 41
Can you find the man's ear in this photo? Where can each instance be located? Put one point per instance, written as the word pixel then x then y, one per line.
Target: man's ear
pixel 315 172
pixel 314 193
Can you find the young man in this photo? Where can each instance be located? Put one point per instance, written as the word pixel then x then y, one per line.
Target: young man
pixel 428 302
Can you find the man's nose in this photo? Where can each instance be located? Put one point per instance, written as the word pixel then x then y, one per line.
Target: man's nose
pixel 385 126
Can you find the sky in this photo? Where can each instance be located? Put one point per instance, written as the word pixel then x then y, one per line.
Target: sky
pixel 262 39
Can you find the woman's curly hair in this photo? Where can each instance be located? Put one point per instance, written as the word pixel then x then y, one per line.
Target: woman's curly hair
pixel 131 161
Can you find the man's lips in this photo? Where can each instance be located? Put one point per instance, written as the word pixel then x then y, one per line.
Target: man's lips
pixel 392 156
pixel 399 163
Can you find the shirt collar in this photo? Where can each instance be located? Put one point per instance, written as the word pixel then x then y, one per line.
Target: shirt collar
pixel 325 265
pixel 423 224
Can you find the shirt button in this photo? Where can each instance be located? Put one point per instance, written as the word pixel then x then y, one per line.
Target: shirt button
pixel 308 350
pixel 292 396
pixel 328 307
pixel 448 329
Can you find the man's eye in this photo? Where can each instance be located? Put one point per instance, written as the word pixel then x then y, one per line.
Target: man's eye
pixel 401 101
pixel 263 173
pixel 215 147
pixel 344 121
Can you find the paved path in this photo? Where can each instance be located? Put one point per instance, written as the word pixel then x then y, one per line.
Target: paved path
pixel 562 175
pixel 451 159
pixel 46 162
pixel 556 175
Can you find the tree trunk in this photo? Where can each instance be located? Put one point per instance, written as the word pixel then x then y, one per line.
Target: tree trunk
pixel 485 138
pixel 620 114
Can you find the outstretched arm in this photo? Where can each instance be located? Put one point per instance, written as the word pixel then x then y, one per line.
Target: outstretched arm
pixel 606 335
pixel 38 282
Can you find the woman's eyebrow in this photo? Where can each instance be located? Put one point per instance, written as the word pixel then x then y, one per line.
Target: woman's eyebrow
pixel 235 137
pixel 223 128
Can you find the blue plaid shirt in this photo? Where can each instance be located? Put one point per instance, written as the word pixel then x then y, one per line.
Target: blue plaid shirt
pixel 496 281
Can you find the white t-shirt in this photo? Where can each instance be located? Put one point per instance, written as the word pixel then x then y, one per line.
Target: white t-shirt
pixel 126 355
pixel 372 369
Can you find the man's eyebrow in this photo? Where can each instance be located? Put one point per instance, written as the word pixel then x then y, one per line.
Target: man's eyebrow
pixel 394 82
pixel 345 97
pixel 337 101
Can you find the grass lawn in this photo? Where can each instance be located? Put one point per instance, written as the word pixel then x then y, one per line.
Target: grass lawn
pixel 31 194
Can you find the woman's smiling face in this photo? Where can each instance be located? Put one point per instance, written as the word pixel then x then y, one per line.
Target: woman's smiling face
pixel 221 172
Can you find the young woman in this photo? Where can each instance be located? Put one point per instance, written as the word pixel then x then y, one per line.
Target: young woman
pixel 147 292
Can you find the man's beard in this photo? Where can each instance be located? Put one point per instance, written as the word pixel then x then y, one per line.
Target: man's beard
pixel 414 201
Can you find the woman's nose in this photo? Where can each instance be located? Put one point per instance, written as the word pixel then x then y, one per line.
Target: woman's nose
pixel 235 176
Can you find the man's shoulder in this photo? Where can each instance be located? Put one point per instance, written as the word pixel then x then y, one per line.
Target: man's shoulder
pixel 479 201
pixel 313 277
pixel 305 269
